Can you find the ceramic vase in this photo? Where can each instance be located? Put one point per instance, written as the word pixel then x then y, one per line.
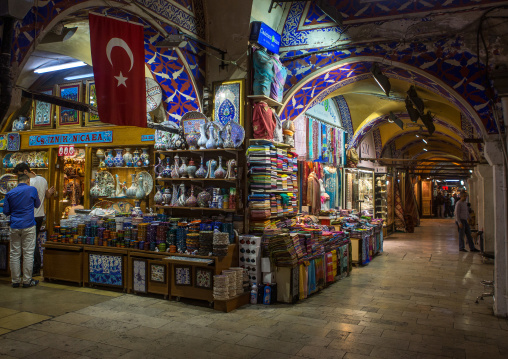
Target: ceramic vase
pixel 110 160
pixel 191 169
pixel 201 172
pixel 118 160
pixel 231 169
pixel 220 172
pixel 136 210
pixel 182 170
pixel 127 157
pixel 100 154
pixel 140 193
pixel 166 172
pixel 176 166
pixel 135 158
pixel 144 156
pixel 159 141
pixel 158 169
pixel 182 198
pixel 174 196
pixel 192 140
pixel 131 191
pixel 203 199
pixel 192 200
pixel 202 139
pixel 157 198
pixel 228 143
pixel 220 142
pixel 211 165
pixel 166 197
pixel 211 143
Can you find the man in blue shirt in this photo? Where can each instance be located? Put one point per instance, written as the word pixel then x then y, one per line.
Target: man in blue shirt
pixel 20 203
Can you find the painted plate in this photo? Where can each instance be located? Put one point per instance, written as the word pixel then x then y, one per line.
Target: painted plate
pixel 13 141
pixel 8 182
pixel 191 122
pixel 103 205
pixel 122 207
pixel 147 181
pixel 153 94
pixel 7 160
pixel 3 142
pixel 237 134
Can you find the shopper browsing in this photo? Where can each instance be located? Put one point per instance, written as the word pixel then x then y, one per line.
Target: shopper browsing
pixel 43 192
pixel 20 203
pixel 462 218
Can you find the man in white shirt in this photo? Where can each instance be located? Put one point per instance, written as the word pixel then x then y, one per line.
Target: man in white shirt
pixel 43 192
pixel 462 218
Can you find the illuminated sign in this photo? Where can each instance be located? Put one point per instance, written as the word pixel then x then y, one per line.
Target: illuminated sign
pixel 71 138
pixel 265 36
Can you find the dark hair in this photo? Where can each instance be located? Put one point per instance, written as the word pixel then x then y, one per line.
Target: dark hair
pixel 23 178
pixel 468 204
pixel 21 167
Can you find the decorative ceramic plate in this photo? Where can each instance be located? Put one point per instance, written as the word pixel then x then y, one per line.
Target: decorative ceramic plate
pixel 147 181
pixel 13 141
pixel 106 180
pixel 191 122
pixel 3 142
pixel 237 134
pixel 122 207
pixel 7 160
pixel 153 94
pixel 103 205
pixel 25 157
pixel 8 182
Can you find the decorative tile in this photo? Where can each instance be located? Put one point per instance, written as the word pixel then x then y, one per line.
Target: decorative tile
pixel 139 275
pixel 158 273
pixel 227 103
pixel 183 275
pixel 204 278
pixel 13 141
pixel 105 269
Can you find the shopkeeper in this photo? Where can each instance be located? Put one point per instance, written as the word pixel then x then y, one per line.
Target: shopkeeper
pixel 43 192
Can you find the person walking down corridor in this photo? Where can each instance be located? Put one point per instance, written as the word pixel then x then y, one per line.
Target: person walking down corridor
pixel 20 203
pixel 439 205
pixel 462 218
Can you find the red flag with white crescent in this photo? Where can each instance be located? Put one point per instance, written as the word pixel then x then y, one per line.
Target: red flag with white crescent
pixel 118 58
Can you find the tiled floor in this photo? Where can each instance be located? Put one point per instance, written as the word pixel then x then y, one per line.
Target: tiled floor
pixel 414 301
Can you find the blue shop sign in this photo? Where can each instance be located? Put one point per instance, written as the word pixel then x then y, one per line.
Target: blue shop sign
pixel 71 138
pixel 147 138
pixel 265 36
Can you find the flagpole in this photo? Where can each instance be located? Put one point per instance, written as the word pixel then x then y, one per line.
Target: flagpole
pixel 116 18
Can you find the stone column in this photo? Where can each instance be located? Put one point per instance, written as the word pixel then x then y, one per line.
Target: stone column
pixel 473 194
pixel 486 206
pixel 494 154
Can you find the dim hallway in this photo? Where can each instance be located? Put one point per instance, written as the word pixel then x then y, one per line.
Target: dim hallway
pixel 416 300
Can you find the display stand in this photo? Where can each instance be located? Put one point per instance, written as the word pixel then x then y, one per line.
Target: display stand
pixel 63 262
pixel 154 280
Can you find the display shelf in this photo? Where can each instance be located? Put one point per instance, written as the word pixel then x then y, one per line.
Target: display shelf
pixel 262 98
pixel 127 167
pixel 123 198
pixel 274 191
pixel 230 150
pixel 196 179
pixel 277 144
pixel 198 208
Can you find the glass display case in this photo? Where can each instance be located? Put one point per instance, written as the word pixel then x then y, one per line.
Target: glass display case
pixel 359 190
pixel 381 195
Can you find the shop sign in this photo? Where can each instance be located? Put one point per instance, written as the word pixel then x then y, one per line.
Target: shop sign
pixel 381 169
pixel 71 138
pixel 147 138
pixel 265 36
pixel 66 150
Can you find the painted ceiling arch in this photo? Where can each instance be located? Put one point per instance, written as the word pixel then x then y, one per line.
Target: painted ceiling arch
pixel 445 69
pixel 435 155
pixel 179 72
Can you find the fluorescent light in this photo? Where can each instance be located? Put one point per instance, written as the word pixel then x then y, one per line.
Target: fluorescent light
pixel 470 171
pixel 462 182
pixel 77 77
pixel 68 65
pixel 425 149
pixel 452 180
pixel 424 140
pixel 418 136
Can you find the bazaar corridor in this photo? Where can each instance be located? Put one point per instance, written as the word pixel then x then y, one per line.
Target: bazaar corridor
pixel 416 300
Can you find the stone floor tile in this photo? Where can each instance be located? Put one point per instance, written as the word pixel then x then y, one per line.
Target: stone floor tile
pixel 63 342
pixel 25 334
pixel 4 331
pixel 5 312
pixel 356 356
pixel 21 320
pixel 351 328
pixel 18 349
pixel 52 353
pixel 103 351
pixel 389 353
pixel 378 341
pixel 315 352
pixel 278 346
pixel 73 318
pixel 236 351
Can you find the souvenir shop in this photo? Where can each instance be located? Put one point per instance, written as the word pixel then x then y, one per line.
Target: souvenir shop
pixel 229 208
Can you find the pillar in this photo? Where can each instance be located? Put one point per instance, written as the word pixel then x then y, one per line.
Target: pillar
pixel 473 194
pixel 494 155
pixel 486 206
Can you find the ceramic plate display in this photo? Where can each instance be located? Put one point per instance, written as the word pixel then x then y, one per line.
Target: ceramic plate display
pixel 7 160
pixel 105 269
pixel 3 142
pixel 106 185
pixel 103 205
pixel 191 122
pixel 237 134
pixel 13 141
pixel 122 207
pixel 8 182
pixel 153 94
pixel 147 181
pixel 157 273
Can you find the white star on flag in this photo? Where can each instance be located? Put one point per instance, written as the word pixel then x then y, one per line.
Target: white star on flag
pixel 121 79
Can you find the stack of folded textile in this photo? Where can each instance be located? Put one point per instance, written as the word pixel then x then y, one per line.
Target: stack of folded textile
pixel 282 250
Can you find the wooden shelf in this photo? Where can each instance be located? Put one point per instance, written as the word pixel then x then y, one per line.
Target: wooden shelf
pixel 230 150
pixel 125 167
pixel 196 179
pixel 262 98
pixel 198 208
pixel 273 191
pixel 276 144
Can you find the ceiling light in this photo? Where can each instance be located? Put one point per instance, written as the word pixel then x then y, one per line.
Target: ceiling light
pixel 77 77
pixel 425 149
pixel 452 180
pixel 428 121
pixel 424 140
pixel 412 112
pixel 68 65
pixel 418 136
pixel 415 100
pixel 381 79
pixel 470 171
pixel 462 183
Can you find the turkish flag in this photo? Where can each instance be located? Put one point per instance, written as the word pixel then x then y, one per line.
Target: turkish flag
pixel 118 57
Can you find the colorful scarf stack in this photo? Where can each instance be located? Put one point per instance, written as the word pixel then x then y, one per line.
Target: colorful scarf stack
pixel 282 250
